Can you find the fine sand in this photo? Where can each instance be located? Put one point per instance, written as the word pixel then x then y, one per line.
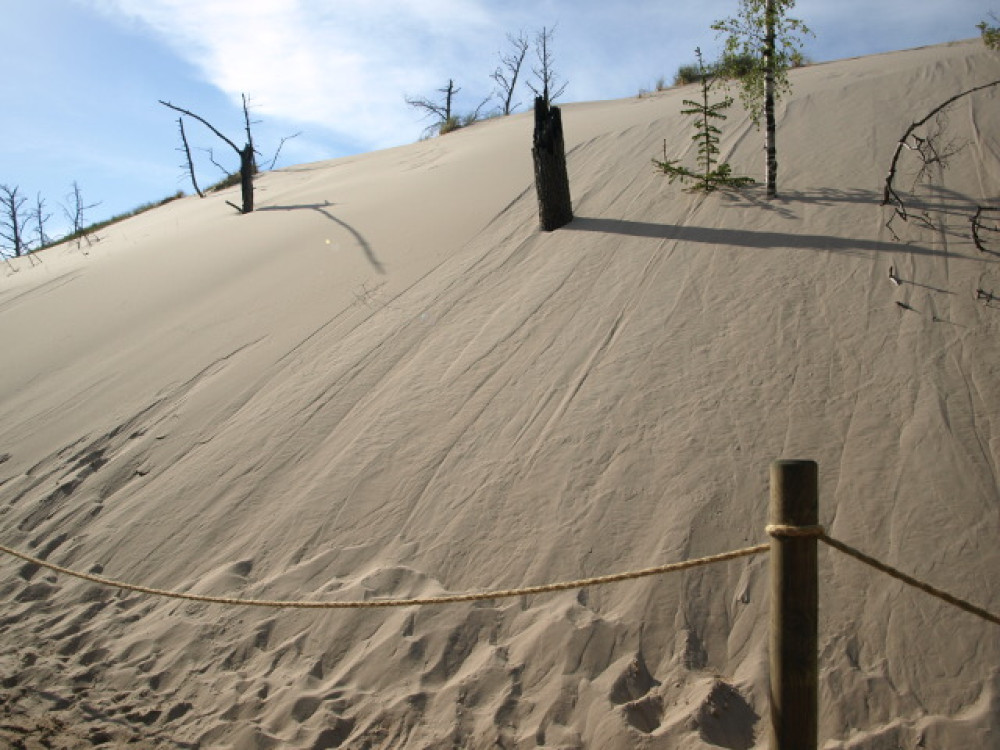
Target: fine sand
pixel 386 382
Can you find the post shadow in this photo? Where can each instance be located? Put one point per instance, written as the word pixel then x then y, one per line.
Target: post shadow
pixel 746 238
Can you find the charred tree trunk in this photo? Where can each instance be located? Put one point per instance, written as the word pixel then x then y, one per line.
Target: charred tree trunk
pixel 247 168
pixel 555 208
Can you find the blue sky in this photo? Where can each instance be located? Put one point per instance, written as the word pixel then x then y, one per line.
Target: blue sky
pixel 82 77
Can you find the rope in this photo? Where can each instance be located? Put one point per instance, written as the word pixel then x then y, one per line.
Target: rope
pixel 900 576
pixel 775 530
pixel 818 532
pixel 781 530
pixel 470 597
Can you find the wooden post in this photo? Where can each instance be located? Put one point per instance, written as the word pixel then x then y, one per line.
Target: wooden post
pixel 555 208
pixel 794 608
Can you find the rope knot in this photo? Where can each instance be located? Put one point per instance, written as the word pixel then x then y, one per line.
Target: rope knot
pixel 782 530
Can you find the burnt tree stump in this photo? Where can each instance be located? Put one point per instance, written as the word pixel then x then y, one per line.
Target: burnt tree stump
pixel 555 209
pixel 247 170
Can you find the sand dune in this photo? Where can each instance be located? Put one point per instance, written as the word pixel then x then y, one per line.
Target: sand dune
pixel 386 382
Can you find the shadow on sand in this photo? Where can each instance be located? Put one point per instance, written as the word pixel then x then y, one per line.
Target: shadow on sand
pixel 746 238
pixel 322 208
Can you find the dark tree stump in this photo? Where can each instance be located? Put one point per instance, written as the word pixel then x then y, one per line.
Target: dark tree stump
pixel 555 208
pixel 247 169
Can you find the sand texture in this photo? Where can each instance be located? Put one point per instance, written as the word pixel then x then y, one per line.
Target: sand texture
pixel 386 382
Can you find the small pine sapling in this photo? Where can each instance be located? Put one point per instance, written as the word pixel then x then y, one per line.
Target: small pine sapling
pixel 712 174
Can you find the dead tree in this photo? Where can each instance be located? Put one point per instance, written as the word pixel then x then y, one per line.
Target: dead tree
pixel 13 219
pixel 509 69
pixel 924 147
pixel 248 164
pixel 246 119
pixel 75 215
pixel 555 208
pixel 548 86
pixel 39 217
pixel 444 117
pixel 189 163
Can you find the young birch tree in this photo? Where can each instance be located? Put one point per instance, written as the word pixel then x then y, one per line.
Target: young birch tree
pixel 762 33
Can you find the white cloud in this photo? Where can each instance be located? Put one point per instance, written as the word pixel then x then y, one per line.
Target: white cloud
pixel 344 66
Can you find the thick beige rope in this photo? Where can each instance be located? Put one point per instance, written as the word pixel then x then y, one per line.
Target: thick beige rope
pixel 775 530
pixel 779 530
pixel 900 576
pixel 471 597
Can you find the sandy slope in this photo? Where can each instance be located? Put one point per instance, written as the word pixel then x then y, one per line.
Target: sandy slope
pixel 386 382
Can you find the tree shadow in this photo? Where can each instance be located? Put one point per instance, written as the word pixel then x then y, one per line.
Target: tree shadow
pixel 746 238
pixel 755 196
pixel 322 209
pixel 934 208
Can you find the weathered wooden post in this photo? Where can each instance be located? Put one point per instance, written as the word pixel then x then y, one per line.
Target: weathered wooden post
pixel 555 209
pixel 794 606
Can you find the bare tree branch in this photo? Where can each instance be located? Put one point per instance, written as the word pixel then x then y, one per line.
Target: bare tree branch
pixel 75 213
pixel 509 69
pixel 39 216
pixel 548 87
pixel 190 162
pixel 211 158
pixel 978 226
pixel 442 112
pixel 204 122
pixel 246 118
pixel 889 193
pixel 278 151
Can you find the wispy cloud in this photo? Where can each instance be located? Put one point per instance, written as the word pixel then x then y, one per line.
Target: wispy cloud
pixel 343 66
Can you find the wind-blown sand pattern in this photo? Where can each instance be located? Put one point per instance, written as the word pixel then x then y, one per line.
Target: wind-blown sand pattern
pixel 386 382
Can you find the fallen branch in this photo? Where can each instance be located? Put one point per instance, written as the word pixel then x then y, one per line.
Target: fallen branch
pixel 978 225
pixel 889 194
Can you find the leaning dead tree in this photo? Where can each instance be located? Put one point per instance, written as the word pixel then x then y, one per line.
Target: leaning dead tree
pixel 188 162
pixel 508 70
pixel 555 208
pixel 248 164
pixel 924 147
pixel 928 150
